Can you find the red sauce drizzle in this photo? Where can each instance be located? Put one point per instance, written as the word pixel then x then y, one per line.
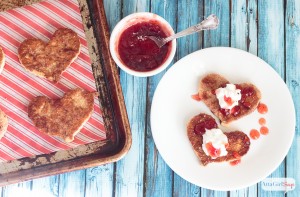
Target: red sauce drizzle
pixel 262 121
pixel 235 162
pixel 235 110
pixel 236 155
pixel 196 97
pixel 199 128
pixel 212 151
pixel 264 130
pixel 246 92
pixel 254 134
pixel 139 52
pixel 262 108
pixel 228 100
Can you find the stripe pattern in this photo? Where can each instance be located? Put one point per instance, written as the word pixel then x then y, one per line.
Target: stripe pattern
pixel 18 87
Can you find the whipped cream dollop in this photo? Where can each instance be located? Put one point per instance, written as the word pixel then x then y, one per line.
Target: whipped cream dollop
pixel 214 143
pixel 229 96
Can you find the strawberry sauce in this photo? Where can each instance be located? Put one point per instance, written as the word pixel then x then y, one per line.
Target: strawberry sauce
pixel 262 108
pixel 262 121
pixel 235 162
pixel 140 53
pixel 254 134
pixel 199 128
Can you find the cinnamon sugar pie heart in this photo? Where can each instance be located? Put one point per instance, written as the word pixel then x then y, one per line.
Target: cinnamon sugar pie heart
pixel 227 101
pixel 50 60
pixel 62 117
pixel 235 146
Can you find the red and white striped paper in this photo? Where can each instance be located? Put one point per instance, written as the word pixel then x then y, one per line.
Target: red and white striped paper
pixel 18 87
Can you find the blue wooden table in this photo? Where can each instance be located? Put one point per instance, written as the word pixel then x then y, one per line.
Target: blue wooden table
pixel 269 29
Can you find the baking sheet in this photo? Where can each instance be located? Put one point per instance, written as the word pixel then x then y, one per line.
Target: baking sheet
pixel 18 87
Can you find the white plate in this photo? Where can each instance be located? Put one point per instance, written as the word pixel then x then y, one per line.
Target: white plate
pixel 172 107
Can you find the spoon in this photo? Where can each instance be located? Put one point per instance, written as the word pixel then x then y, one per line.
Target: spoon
pixel 211 22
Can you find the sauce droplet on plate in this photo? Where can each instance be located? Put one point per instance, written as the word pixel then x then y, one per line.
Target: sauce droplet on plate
pixel 262 121
pixel 264 130
pixel 196 97
pixel 262 108
pixel 235 162
pixel 254 134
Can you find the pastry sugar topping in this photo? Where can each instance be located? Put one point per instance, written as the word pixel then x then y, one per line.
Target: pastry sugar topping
pixel 228 96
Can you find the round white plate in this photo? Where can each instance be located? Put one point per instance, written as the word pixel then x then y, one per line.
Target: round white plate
pixel 173 107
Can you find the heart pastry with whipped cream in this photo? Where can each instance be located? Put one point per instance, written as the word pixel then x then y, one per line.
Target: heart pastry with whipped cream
pixel 211 144
pixel 228 101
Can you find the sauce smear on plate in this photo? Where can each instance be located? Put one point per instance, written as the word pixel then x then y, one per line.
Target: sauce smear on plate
pixel 235 162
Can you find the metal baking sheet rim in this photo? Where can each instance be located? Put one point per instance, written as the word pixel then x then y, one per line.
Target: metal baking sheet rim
pixel 112 104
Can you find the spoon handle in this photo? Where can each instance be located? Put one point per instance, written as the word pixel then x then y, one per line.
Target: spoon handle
pixel 211 22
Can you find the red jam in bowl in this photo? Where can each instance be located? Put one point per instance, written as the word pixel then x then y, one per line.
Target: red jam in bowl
pixel 140 53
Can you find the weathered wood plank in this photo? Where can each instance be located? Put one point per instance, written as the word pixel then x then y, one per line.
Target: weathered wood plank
pixel 218 37
pixel 48 185
pixel 244 36
pixel 239 27
pixel 99 181
pixel 72 184
pixel 130 170
pixel 292 25
pixel 17 190
pixel 252 26
pixel 190 13
pixel 271 49
pixel 156 170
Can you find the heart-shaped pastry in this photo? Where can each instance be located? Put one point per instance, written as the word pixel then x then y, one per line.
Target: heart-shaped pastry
pixel 237 145
pixel 50 60
pixel 2 60
pixel 62 117
pixel 212 84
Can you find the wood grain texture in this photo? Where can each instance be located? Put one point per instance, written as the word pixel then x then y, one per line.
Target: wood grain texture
pixel 72 184
pixel 252 26
pixel 130 170
pixel 243 16
pixel 292 26
pixel 49 185
pixel 220 36
pixel 17 190
pixel 99 181
pixel 190 13
pixel 271 49
pixel 156 170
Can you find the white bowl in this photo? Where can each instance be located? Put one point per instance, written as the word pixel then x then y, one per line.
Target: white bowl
pixel 132 20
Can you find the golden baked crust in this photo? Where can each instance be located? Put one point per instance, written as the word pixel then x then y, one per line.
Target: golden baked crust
pixel 62 117
pixel 3 123
pixel 213 81
pixel 50 60
pixel 238 142
pixel 2 60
